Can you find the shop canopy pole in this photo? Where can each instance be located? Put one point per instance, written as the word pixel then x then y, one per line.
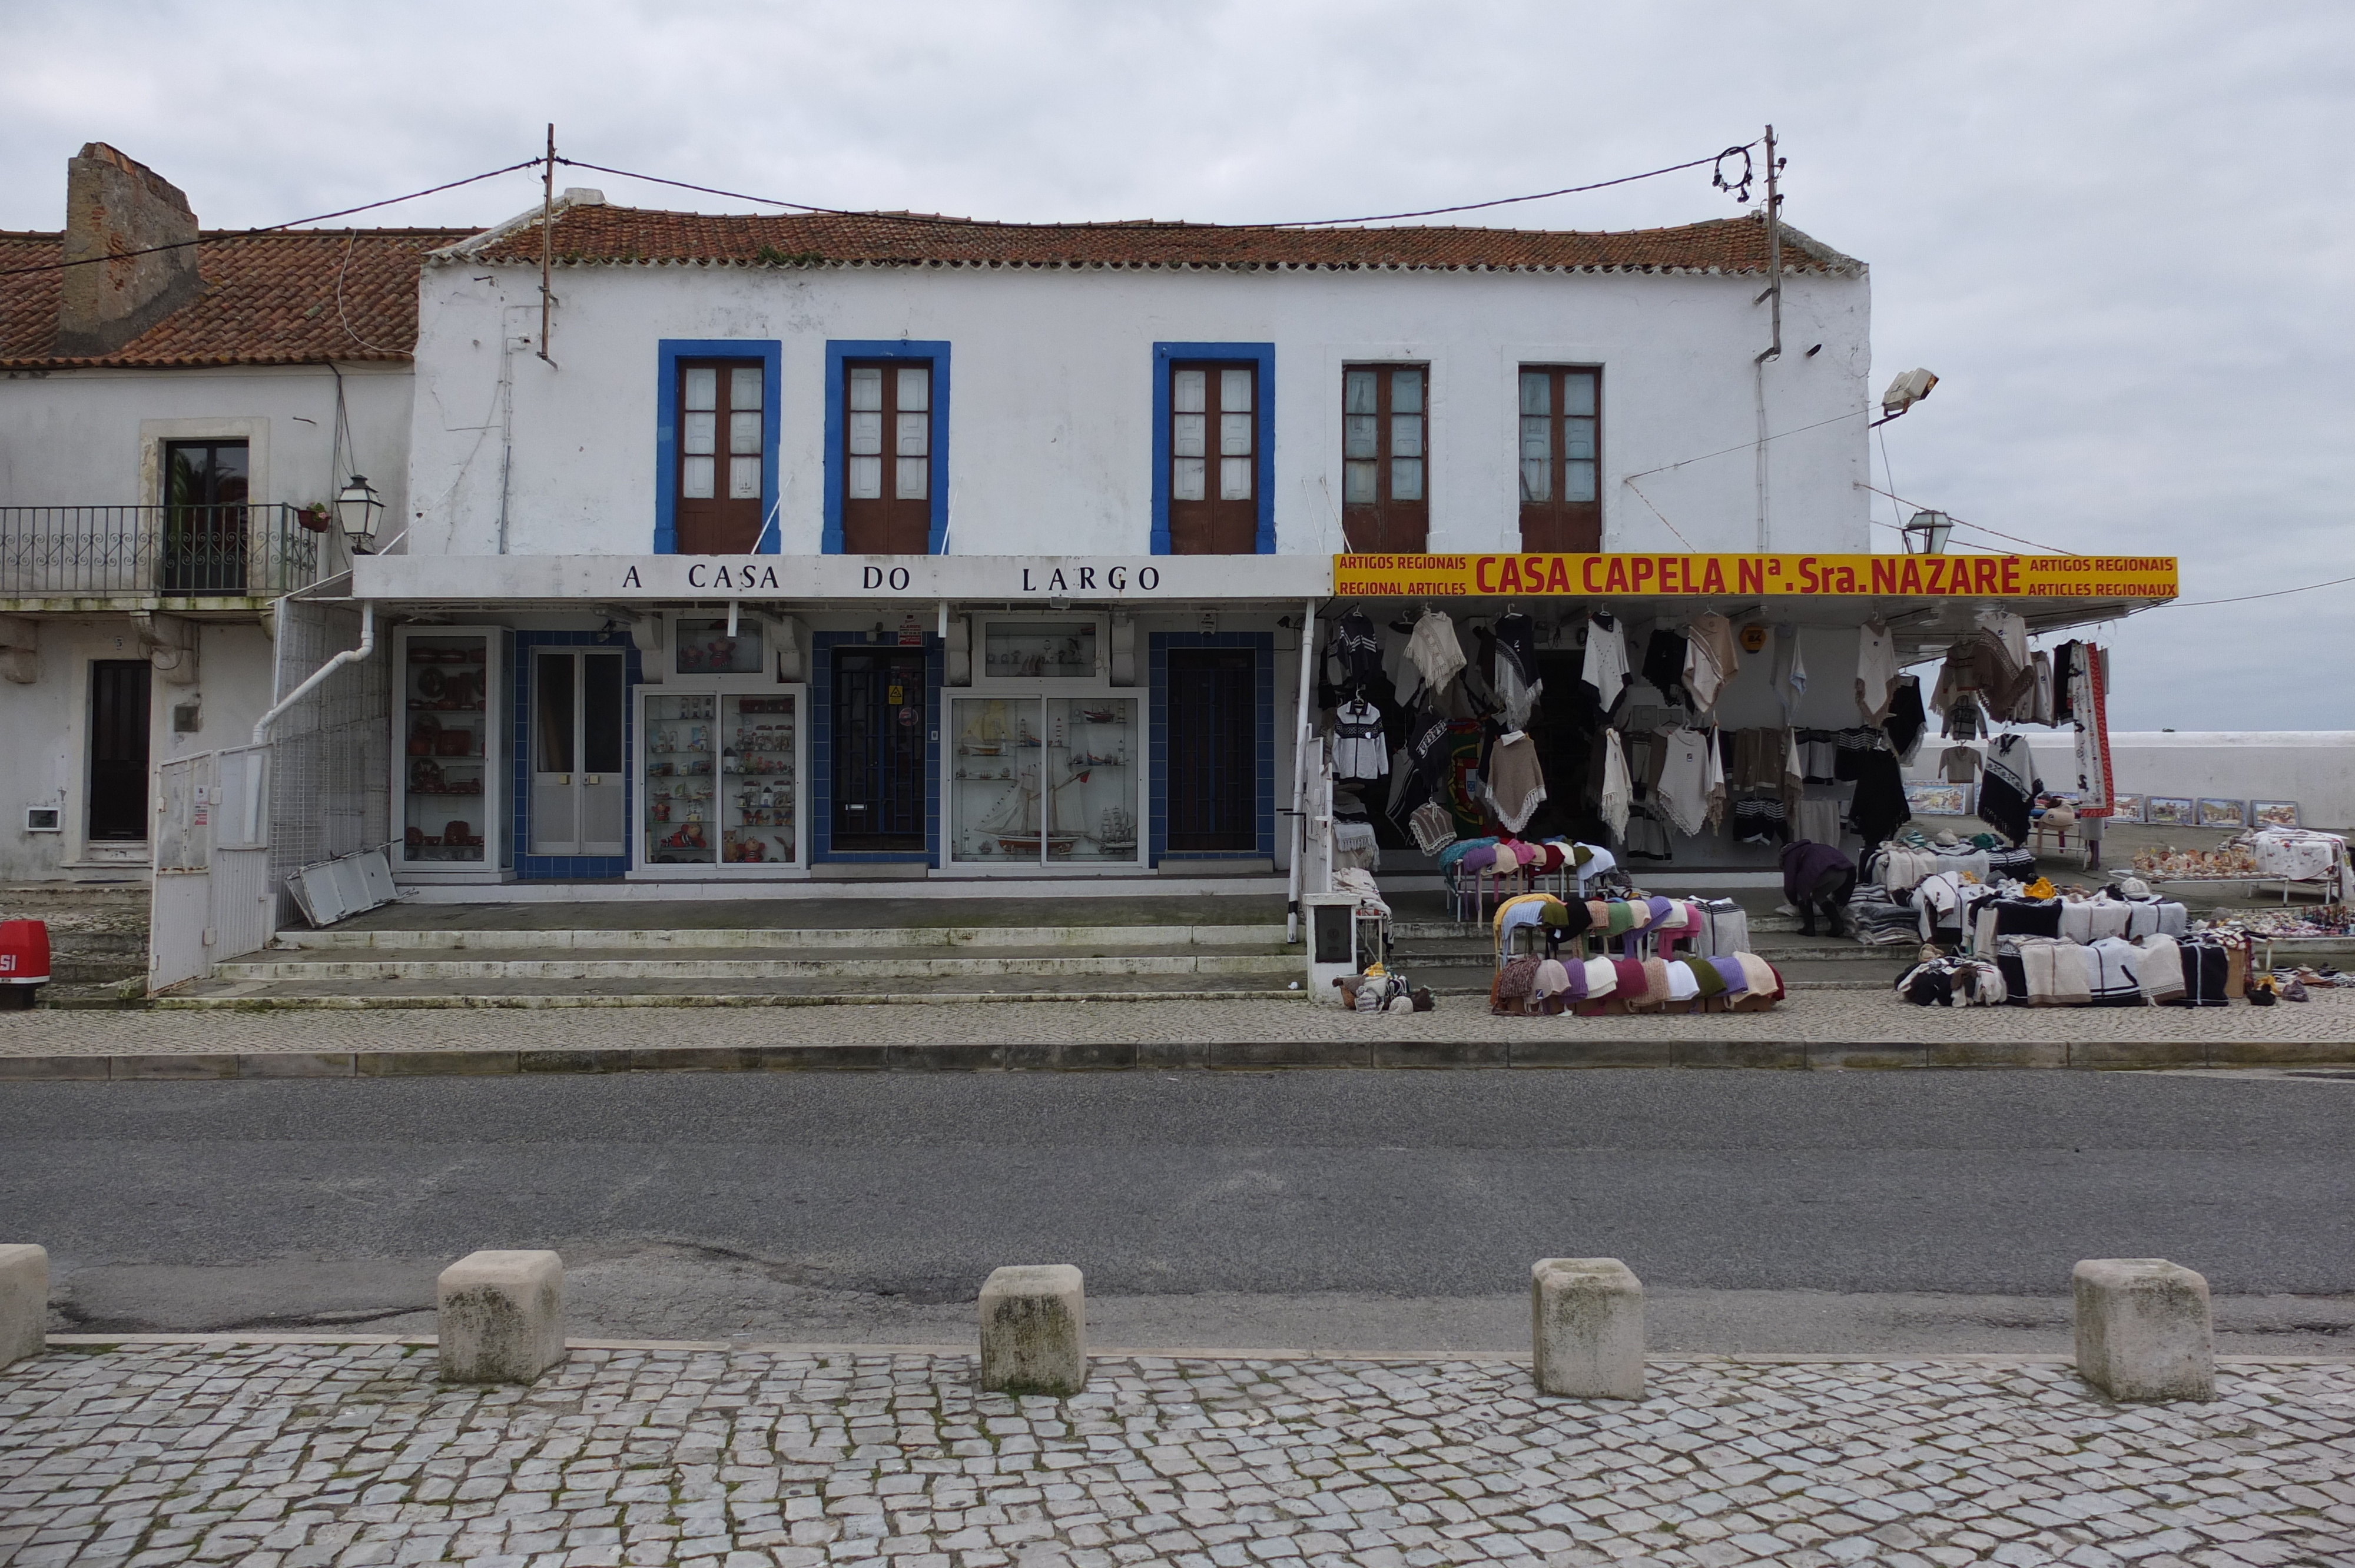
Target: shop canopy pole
pixel 1300 768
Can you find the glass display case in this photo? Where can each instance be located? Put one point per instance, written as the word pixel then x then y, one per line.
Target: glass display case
pixel 759 781
pixel 679 804
pixel 446 708
pixel 1042 781
pixel 720 788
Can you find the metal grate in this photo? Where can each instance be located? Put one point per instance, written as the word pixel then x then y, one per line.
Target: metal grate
pixel 330 779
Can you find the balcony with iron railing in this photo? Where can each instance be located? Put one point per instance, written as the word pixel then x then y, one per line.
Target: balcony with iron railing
pixel 231 551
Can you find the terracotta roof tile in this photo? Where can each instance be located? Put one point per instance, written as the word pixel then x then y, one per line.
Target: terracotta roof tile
pixel 610 235
pixel 268 299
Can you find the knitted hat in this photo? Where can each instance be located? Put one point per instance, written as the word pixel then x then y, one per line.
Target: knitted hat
pixel 2134 887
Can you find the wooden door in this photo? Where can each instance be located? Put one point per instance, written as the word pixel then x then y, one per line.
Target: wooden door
pixel 118 750
pixel 879 725
pixel 886 457
pixel 1385 506
pixel 1561 453
pixel 1213 459
pixel 1214 767
pixel 722 436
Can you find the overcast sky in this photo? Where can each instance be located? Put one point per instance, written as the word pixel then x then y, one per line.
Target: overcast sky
pixel 2123 234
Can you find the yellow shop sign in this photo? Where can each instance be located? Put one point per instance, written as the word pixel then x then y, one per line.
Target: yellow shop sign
pixel 1673 575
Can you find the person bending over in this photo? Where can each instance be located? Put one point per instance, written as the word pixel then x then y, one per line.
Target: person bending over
pixel 1818 878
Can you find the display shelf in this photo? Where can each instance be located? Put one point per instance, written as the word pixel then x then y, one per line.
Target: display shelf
pixel 445 722
pixel 1042 781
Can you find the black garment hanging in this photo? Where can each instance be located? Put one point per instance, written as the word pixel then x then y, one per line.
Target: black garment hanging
pixel 1426 747
pixel 1356 649
pixel 1907 719
pixel 1664 663
pixel 2008 784
pixel 2064 670
pixel 1879 805
pixel 1516 639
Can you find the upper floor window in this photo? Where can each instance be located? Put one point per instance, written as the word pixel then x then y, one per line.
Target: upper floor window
pixel 721 456
pixel 1213 459
pixel 887 505
pixel 1384 421
pixel 1562 454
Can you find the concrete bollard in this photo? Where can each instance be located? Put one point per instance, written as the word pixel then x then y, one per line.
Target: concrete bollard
pixel 501 1316
pixel 2143 1328
pixel 1586 1328
pixel 1034 1331
pixel 24 1302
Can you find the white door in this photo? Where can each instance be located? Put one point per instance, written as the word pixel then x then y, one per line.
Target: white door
pixel 576 753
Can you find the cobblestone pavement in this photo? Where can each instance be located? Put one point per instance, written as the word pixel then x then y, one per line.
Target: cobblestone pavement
pixel 1818 1016
pixel 284 1457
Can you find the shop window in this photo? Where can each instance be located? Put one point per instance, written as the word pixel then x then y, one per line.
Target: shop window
pixel 887 448
pixel 706 648
pixel 1213 468
pixel 716 449
pixel 1560 458
pixel 1385 460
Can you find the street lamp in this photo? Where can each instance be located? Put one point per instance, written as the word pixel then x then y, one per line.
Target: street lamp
pixel 1903 393
pixel 1931 528
pixel 359 509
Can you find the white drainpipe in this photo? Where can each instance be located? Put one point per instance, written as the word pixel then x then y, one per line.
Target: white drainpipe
pixel 1300 769
pixel 261 725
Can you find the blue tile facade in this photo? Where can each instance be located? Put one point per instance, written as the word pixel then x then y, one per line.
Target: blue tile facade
pixel 569 867
pixel 1263 644
pixel 821 751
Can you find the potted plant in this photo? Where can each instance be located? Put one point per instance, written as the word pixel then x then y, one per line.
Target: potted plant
pixel 316 516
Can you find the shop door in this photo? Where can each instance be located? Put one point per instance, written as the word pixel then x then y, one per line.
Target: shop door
pixel 118 750
pixel 576 753
pixel 1212 768
pixel 879 749
pixel 204 517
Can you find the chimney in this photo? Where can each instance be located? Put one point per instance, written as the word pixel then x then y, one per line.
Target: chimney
pixel 114 206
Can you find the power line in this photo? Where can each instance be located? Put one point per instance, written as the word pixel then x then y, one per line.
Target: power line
pixel 1715 158
pixel 272 229
pixel 2244 599
pixel 1973 527
pixel 1747 446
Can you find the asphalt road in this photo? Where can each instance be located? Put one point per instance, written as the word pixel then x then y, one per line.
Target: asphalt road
pixel 821 1197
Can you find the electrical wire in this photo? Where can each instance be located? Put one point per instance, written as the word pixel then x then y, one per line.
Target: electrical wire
pixel 1288 222
pixel 1748 446
pixel 2245 597
pixel 1973 527
pixel 270 228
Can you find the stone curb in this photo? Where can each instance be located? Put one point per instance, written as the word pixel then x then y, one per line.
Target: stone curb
pixel 1113 1057
pixel 1183 1353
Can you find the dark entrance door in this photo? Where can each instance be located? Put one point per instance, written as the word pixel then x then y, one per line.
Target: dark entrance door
pixel 879 725
pixel 1212 768
pixel 118 750
pixel 204 517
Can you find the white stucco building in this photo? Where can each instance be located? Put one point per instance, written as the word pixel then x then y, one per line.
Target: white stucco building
pixel 162 416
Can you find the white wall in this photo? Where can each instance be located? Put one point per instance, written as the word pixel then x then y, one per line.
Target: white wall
pixel 2314 767
pixel 1050 438
pixel 46 758
pixel 88 438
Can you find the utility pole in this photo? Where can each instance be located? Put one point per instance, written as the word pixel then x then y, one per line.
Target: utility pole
pixel 1774 246
pixel 547 235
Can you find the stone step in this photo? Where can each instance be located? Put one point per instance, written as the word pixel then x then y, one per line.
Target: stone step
pixel 610 964
pixel 223 993
pixel 690 938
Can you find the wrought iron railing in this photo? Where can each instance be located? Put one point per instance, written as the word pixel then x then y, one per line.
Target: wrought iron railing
pixel 175 552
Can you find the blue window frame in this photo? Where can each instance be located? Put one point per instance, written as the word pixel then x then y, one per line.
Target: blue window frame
pixel 669 351
pixel 1165 356
pixel 836 399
